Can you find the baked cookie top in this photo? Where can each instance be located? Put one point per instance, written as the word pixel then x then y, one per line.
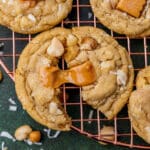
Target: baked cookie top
pixel 110 92
pixel 143 78
pixel 32 16
pixel 139 112
pixel 95 61
pixel 123 16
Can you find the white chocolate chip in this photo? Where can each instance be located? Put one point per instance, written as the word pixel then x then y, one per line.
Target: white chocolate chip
pixel 121 78
pixel 56 48
pixel 53 108
pixel 31 17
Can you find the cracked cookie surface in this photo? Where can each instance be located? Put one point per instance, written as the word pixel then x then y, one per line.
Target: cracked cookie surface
pixel 143 78
pixel 139 112
pixel 32 16
pixel 120 21
pixel 112 64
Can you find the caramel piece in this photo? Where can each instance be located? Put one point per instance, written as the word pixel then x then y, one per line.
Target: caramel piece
pixel 80 75
pixel 132 7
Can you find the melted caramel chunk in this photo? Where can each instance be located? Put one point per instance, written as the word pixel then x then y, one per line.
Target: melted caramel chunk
pixel 132 7
pixel 80 75
pixel 48 75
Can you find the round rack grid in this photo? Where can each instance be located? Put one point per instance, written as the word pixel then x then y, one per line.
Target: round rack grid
pixel 138 49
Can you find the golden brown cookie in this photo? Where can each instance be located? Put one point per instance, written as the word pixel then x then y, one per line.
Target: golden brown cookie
pixel 125 16
pixel 143 78
pixel 95 61
pixel 32 16
pixel 139 112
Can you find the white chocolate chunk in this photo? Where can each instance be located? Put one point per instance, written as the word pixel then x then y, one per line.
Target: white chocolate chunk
pixel 121 78
pixel 52 107
pixel 31 17
pixel 56 48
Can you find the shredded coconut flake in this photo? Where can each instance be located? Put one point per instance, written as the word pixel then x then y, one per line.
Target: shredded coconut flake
pixel 3 146
pixel 7 135
pixel 89 15
pixel 12 108
pixel 12 101
pixel 28 142
pixel 31 143
pixel 31 17
pixel 90 116
pixel 48 131
pixel 37 143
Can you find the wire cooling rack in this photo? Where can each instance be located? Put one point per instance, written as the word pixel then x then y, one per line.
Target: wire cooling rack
pixel 139 50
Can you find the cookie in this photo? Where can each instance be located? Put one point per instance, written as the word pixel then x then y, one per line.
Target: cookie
pixel 119 17
pixel 95 61
pixel 114 72
pixel 32 16
pixel 143 78
pixel 139 112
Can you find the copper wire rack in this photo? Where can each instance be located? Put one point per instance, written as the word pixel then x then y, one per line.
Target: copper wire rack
pixel 138 49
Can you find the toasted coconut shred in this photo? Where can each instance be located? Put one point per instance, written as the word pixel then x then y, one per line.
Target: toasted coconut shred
pixel 48 131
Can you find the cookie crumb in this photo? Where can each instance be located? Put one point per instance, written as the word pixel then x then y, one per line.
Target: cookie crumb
pixel 108 133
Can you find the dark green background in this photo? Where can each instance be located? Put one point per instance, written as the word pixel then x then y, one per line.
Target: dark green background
pixel 72 140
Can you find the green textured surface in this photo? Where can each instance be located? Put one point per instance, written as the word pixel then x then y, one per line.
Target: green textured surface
pixel 72 140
